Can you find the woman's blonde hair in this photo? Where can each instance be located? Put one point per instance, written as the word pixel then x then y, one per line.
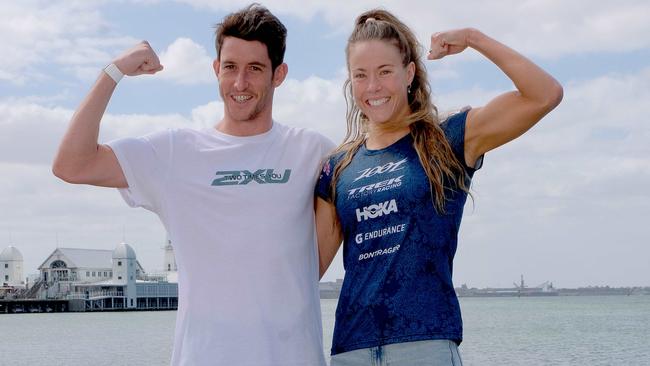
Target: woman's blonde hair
pixel 434 152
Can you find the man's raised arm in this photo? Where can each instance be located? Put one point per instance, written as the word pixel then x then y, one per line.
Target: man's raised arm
pixel 81 159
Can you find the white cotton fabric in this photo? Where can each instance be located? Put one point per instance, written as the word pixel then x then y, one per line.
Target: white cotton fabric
pixel 245 247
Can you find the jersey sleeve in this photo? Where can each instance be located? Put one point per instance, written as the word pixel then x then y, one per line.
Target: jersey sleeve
pixel 325 179
pixel 454 129
pixel 145 162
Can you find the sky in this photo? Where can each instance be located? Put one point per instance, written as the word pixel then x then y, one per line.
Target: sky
pixel 566 203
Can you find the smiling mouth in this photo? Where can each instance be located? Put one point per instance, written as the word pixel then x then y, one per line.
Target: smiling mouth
pixel 377 102
pixel 242 98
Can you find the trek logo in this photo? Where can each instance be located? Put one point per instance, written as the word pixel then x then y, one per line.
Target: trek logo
pixel 384 185
pixel 376 210
pixel 380 169
pixel 242 177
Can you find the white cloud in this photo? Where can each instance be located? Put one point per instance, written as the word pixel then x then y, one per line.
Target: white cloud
pixel 69 33
pixel 540 28
pixel 313 103
pixel 187 62
pixel 207 115
pixel 560 198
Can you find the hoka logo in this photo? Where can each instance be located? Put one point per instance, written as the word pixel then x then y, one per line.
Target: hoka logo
pixel 260 176
pixel 376 210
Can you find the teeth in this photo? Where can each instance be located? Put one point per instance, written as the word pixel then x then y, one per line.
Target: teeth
pixel 377 102
pixel 242 98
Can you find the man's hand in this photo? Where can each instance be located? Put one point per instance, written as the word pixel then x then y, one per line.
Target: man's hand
pixel 448 43
pixel 140 59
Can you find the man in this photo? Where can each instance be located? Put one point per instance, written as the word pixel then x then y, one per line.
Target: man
pixel 236 200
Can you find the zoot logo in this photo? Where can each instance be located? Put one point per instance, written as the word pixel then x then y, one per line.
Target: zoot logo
pixel 380 169
pixel 376 210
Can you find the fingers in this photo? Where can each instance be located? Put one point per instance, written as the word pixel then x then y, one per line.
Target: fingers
pixel 447 43
pixel 439 48
pixel 437 52
pixel 140 59
pixel 150 69
pixel 151 63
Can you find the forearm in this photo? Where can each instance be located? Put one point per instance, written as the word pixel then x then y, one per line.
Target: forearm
pixel 79 145
pixel 329 233
pixel 531 81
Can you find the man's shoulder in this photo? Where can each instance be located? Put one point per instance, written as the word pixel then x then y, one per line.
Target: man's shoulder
pixel 296 131
pixel 302 135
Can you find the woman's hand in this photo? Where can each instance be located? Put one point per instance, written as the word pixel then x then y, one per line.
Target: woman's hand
pixel 448 43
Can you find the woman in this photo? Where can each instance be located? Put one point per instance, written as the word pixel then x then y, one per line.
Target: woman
pixel 395 189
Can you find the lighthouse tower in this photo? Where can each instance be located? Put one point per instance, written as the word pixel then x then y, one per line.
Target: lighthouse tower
pixel 124 272
pixel 169 263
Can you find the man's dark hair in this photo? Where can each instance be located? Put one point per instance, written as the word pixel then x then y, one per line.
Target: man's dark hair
pixel 254 23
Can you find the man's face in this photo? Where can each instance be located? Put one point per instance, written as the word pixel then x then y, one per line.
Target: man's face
pixel 246 80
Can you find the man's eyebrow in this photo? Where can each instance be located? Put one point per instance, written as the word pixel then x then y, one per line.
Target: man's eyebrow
pixel 255 63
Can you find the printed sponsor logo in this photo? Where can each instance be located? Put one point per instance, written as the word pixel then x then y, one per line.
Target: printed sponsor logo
pixel 376 210
pixel 260 176
pixel 360 238
pixel 378 253
pixel 369 189
pixel 381 169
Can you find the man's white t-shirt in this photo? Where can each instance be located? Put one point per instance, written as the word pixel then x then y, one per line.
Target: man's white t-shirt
pixel 239 212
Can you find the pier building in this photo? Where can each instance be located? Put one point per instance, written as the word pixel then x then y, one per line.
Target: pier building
pixel 66 267
pixel 74 279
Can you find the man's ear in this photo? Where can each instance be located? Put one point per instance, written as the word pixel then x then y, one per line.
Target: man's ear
pixel 215 65
pixel 280 74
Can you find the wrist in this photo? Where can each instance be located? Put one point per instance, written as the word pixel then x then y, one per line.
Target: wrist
pixel 114 72
pixel 473 37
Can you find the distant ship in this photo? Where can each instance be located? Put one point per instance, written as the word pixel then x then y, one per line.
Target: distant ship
pixel 519 290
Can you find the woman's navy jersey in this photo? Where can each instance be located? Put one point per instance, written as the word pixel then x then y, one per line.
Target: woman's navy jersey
pixel 398 250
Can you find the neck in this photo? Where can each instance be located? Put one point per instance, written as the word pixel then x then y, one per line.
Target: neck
pixel 381 138
pixel 381 135
pixel 254 127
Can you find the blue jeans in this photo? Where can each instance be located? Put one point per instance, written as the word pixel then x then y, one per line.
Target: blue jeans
pixel 437 352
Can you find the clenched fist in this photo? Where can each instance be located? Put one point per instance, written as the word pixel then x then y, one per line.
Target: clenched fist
pixel 448 43
pixel 140 59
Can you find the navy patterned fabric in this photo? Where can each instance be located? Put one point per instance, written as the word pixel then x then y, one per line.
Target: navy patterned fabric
pixel 398 250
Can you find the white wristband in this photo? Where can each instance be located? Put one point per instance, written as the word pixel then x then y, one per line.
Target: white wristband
pixel 115 73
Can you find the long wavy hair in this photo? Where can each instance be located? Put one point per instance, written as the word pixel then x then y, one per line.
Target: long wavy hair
pixel 441 166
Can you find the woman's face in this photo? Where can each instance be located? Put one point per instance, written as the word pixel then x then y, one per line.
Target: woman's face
pixel 379 80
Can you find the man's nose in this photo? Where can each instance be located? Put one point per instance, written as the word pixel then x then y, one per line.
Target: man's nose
pixel 241 81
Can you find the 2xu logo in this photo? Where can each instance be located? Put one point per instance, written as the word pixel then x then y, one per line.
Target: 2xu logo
pixel 260 176
pixel 376 210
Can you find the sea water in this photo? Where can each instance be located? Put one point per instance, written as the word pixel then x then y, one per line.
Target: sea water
pixel 580 330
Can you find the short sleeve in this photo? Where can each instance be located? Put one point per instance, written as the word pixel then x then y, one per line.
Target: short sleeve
pixel 325 179
pixel 454 129
pixel 145 162
pixel 326 147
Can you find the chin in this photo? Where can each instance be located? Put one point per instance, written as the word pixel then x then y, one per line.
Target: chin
pixel 377 118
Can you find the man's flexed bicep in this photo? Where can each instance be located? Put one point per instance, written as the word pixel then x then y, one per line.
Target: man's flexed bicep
pixel 80 159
